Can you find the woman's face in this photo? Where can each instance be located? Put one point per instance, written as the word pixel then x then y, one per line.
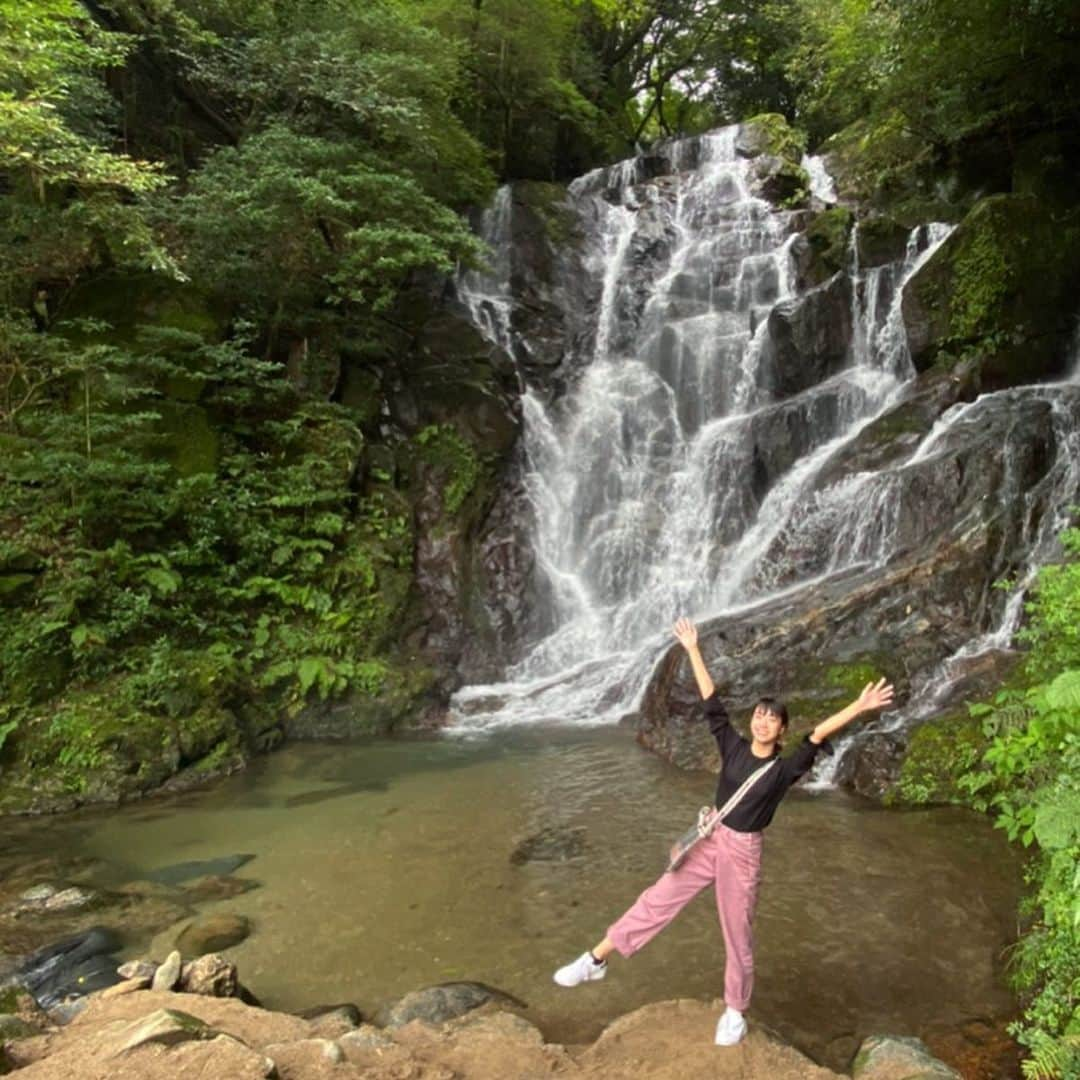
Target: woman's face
pixel 765 726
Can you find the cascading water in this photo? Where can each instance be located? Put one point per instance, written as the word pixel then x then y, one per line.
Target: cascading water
pixel 679 474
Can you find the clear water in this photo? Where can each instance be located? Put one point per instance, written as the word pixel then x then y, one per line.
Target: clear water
pixel 386 867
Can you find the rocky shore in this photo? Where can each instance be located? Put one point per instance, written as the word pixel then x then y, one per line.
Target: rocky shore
pixel 131 1031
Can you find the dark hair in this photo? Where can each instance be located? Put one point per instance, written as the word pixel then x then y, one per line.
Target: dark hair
pixel 777 708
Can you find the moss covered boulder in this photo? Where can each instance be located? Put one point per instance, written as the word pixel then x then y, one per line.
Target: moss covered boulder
pixel 822 249
pixel 776 149
pixel 1002 287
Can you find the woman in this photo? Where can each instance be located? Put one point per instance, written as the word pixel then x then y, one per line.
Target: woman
pixel 730 857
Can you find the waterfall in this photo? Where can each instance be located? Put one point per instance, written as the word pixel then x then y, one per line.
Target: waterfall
pixel 675 476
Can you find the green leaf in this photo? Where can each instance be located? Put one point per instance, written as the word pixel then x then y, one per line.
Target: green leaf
pixel 164 581
pixel 1064 691
pixel 1057 822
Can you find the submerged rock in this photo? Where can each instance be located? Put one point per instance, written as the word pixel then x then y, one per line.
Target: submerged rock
pixel 176 873
pixel 213 933
pixel 71 967
pixel 897 1057
pixel 552 844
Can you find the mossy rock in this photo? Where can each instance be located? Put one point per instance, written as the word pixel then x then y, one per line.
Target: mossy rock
pixel 770 134
pixel 827 236
pixel 127 301
pixel 938 753
pixel 817 688
pixel 781 182
pixel 881 165
pixel 880 239
pixel 1002 287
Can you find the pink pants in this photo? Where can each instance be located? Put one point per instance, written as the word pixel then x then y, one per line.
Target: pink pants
pixel 732 862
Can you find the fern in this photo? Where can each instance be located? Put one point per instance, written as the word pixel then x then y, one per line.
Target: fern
pixel 1054 1059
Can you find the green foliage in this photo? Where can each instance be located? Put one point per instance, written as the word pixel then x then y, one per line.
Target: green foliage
pixel 1029 778
pixel 443 447
pixel 286 224
pixel 268 576
pixel 1053 633
pixel 939 752
pixel 920 84
pixel 68 192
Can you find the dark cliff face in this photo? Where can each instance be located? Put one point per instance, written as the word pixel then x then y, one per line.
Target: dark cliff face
pixel 916 502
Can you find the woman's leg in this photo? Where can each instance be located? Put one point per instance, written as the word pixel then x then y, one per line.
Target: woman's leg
pixel 660 903
pixel 738 873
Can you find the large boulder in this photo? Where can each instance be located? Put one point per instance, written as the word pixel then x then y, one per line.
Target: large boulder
pixel 1003 286
pixel 809 337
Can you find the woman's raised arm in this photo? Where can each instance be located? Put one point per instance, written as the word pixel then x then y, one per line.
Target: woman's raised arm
pixel 686 632
pixel 874 696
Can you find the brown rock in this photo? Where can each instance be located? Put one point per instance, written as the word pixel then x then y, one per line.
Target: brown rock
pixel 211 975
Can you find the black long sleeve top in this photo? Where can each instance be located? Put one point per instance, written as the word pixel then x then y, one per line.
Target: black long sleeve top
pixel 738 762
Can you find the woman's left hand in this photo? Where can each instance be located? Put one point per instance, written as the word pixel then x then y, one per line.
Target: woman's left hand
pixel 875 696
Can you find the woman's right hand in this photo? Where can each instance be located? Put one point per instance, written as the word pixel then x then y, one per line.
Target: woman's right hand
pixel 686 632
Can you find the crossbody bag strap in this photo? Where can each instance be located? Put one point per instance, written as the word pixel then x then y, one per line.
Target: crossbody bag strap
pixel 739 795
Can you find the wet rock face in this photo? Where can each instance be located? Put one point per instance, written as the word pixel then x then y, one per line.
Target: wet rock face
pixel 1003 284
pixel 809 338
pixel 952 521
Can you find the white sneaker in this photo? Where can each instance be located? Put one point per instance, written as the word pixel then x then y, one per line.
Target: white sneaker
pixel 583 969
pixel 730 1028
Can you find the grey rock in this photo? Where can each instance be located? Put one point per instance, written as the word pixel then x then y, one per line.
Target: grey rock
pixel 167 976
pixel 63 1012
pixel 808 338
pixel 38 894
pixel 138 969
pixel 165 1027
pixel 438 1004
pixel 176 873
pixel 896 1057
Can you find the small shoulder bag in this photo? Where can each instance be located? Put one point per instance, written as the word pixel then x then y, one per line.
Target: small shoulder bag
pixel 708 818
